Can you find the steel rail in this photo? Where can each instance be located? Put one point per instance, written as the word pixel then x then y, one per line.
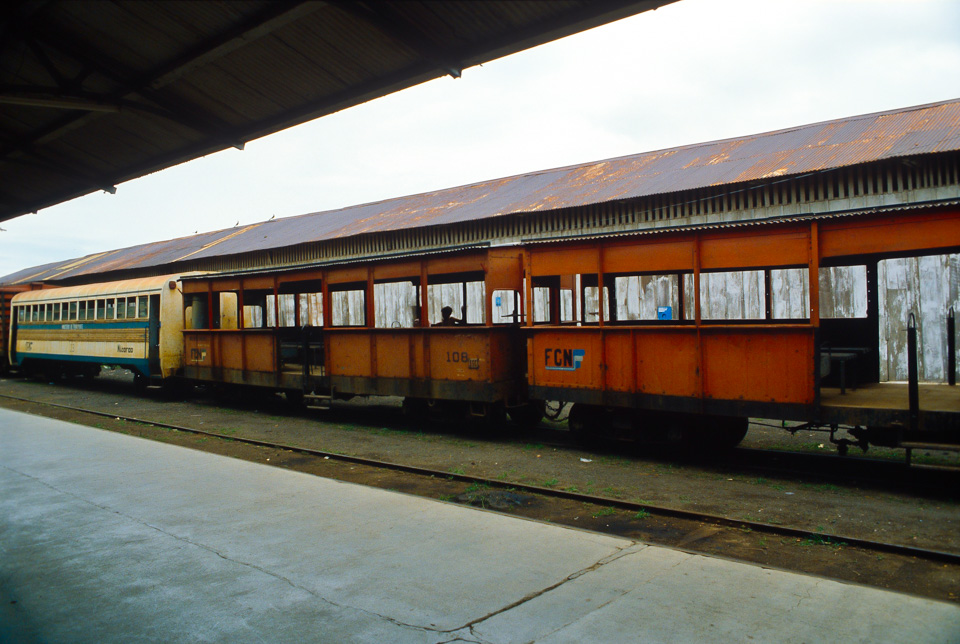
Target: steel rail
pixel 767 528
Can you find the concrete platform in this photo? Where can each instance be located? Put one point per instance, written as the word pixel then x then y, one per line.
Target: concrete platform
pixel 109 538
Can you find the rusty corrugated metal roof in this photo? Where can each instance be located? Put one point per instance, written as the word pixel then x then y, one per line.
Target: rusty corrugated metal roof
pixel 924 129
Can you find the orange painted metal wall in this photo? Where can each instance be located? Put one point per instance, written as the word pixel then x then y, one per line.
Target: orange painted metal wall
pixel 469 354
pixel 762 361
pixel 759 363
pixel 463 354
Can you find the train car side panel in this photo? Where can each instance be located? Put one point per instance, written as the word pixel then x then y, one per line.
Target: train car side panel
pixel 107 343
pixel 350 353
pixel 461 356
pixel 393 354
pixel 763 365
pixel 170 331
pixel 567 358
pixel 667 362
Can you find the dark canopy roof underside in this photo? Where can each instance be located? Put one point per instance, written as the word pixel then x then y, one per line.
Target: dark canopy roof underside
pixel 94 93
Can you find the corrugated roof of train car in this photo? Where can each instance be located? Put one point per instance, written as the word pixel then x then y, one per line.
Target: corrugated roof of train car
pixel 138 285
pixel 924 129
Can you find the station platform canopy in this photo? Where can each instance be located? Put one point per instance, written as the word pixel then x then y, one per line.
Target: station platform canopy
pixel 95 93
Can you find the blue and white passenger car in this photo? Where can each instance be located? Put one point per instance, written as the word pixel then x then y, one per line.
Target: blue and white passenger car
pixel 135 324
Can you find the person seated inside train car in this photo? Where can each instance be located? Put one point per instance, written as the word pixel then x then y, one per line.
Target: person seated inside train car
pixel 447 319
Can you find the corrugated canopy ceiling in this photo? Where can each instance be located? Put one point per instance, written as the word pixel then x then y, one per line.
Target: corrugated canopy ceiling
pixel 925 129
pixel 94 93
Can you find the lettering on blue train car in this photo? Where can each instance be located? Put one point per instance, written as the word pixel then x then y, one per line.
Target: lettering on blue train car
pixel 563 359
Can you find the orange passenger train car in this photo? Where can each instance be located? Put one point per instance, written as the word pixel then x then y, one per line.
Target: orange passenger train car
pixel 441 330
pixel 694 369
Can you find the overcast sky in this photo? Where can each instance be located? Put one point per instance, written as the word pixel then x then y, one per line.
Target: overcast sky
pixel 694 71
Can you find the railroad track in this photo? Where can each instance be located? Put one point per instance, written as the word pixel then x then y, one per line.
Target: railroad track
pixel 828 466
pixel 597 500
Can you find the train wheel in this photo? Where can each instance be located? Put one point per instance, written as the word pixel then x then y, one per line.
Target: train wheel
pixel 717 433
pixel 527 416
pixel 415 409
pixel 730 431
pixel 494 417
pixel 140 382
pixel 584 424
pixel 174 388
pixel 294 397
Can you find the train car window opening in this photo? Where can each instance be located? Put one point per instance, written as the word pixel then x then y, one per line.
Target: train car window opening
pixel 563 299
pixel 142 308
pixel 57 311
pixel 645 298
pixel 729 295
pixel 591 304
pixel 541 305
pixel 252 316
pixel 465 300
pixel 257 312
pixel 348 305
pixel 131 307
pixel 790 294
pixel 20 314
pixel 228 316
pixel 843 291
pixel 567 311
pixel 73 310
pixel 82 310
pixel 288 311
pixel 269 311
pixel 311 309
pixel 111 309
pixel 121 308
pixel 463 292
pixel 507 307
pixel 194 311
pixel 396 304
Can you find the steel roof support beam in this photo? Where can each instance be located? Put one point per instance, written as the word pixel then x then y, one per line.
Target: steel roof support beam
pixel 393 25
pixel 147 85
pixel 39 161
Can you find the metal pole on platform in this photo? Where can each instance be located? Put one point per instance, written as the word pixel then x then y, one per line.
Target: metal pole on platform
pixel 951 348
pixel 913 379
